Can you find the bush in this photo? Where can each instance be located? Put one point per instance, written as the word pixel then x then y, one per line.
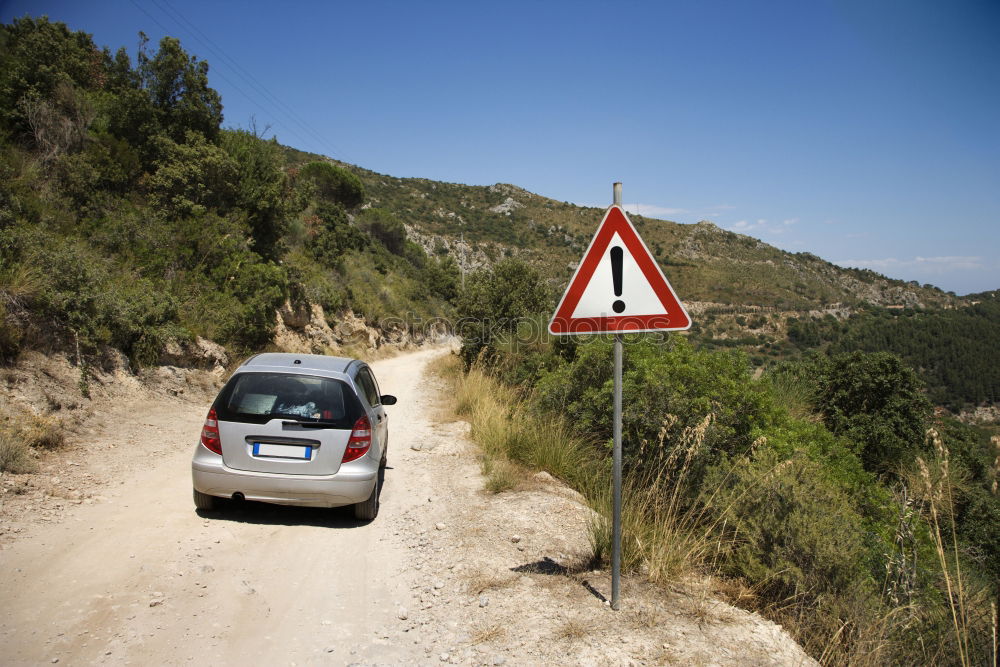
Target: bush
pixel 192 177
pixel 15 456
pixel 336 235
pixel 495 302
pixel 791 529
pixel 335 184
pixel 665 390
pixel 876 401
pixel 261 188
pixel 384 228
pixel 257 291
pixel 20 433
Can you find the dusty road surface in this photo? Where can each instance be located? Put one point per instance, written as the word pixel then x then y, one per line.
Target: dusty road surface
pixel 127 572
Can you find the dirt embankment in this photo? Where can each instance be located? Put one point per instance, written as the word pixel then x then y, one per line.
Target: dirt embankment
pixel 105 561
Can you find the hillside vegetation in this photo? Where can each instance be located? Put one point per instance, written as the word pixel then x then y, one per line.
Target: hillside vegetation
pixel 825 494
pixel 130 217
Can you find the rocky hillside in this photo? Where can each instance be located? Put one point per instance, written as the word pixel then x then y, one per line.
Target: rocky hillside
pixel 478 224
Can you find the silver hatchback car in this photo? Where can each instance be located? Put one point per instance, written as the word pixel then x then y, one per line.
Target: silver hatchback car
pixel 295 429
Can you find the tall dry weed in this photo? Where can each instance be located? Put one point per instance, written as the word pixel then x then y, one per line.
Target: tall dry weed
pixel 938 494
pixel 516 441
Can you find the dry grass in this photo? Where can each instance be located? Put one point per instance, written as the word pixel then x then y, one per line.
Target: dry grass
pixel 19 283
pixel 15 456
pixel 937 488
pixel 645 617
pixel 501 475
pixel 573 628
pixel 480 581
pixel 487 633
pixel 514 441
pixel 24 434
pixel 659 537
pixel 704 608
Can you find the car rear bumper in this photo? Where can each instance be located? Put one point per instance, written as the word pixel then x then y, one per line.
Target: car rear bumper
pixel 347 487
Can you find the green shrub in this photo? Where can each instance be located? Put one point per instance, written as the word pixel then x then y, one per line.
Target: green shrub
pixel 876 401
pixel 665 390
pixel 791 528
pixel 257 290
pixel 384 228
pixel 495 302
pixel 335 184
pixel 336 235
pixel 192 177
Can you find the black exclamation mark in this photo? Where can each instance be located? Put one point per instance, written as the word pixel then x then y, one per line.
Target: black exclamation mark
pixel 616 276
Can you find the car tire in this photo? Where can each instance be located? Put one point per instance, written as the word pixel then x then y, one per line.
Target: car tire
pixel 385 454
pixel 368 509
pixel 203 501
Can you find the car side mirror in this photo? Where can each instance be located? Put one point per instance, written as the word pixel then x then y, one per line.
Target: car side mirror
pixel 387 399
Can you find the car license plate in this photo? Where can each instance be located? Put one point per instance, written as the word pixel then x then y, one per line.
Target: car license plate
pixel 272 450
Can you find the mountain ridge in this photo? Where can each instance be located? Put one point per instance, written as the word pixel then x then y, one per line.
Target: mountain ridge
pixel 704 262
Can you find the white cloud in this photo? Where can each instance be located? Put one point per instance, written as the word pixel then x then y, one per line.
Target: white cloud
pixel 759 226
pixel 742 226
pixel 653 210
pixel 931 265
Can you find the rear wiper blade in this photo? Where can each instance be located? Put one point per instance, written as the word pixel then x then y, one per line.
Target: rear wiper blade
pixel 291 415
pixel 313 424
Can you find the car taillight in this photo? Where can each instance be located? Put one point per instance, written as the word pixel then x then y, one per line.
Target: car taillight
pixel 210 433
pixel 360 440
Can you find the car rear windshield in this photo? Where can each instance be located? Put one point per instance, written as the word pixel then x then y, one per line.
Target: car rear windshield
pixel 257 398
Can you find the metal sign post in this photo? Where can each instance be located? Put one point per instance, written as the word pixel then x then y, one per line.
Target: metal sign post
pixel 616 514
pixel 617 288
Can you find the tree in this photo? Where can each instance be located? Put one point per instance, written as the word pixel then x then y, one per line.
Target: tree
pixel 37 57
pixel 177 85
pixel 495 301
pixel 336 236
pixel 262 188
pixel 384 228
pixel 876 401
pixel 335 184
pixel 192 177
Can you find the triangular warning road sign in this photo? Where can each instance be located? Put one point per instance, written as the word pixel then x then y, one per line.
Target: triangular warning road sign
pixel 618 287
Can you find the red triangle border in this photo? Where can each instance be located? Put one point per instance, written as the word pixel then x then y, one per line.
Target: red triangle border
pixel 616 221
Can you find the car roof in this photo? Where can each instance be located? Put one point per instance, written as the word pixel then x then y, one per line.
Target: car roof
pixel 297 363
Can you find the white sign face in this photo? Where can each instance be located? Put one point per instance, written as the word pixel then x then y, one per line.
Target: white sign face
pixel 618 287
pixel 635 295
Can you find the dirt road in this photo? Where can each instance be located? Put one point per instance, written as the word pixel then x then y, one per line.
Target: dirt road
pixel 129 573
pixel 142 578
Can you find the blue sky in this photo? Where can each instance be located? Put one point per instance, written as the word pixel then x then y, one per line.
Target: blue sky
pixel 867 133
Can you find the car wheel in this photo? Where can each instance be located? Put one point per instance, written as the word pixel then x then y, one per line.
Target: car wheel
pixel 385 453
pixel 367 510
pixel 203 501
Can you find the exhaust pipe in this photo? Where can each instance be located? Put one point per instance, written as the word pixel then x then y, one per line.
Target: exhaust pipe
pixel 239 497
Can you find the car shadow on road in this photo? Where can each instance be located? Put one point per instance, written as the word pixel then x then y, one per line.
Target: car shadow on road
pixel 269 514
